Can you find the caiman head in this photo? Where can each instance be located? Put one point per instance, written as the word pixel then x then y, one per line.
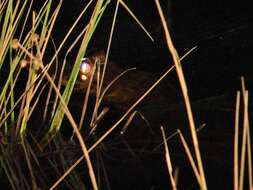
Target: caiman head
pixel 121 91
pixel 86 70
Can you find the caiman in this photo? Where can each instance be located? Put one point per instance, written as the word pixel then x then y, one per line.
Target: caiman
pixel 127 89
pixel 159 107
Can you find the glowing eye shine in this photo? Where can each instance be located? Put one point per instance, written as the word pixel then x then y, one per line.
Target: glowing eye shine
pixel 85 67
pixel 84 77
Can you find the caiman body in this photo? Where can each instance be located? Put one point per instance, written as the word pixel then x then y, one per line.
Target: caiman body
pixel 127 89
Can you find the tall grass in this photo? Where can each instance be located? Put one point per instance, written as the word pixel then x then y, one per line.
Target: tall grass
pixel 30 46
pixel 183 85
pixel 25 37
pixel 30 51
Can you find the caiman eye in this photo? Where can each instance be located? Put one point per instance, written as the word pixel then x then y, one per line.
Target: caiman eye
pixel 85 69
pixel 85 66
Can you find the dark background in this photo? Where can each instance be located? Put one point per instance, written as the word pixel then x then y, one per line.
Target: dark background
pixel 222 32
